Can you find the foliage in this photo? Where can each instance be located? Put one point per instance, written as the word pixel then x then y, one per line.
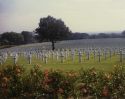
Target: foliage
pixel 32 82
pixel 15 82
pixel 111 84
pixel 11 38
pixel 28 37
pixel 11 81
pixel 52 29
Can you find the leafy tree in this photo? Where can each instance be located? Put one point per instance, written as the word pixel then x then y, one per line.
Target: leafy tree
pixel 123 34
pixel 78 35
pixel 28 37
pixel 11 38
pixel 52 29
pixel 103 35
pixel 93 36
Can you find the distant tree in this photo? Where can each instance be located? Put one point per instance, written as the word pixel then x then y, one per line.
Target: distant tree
pixel 78 35
pixel 115 35
pixel 123 34
pixel 103 35
pixel 11 38
pixel 85 35
pixel 93 36
pixel 52 29
pixel 28 37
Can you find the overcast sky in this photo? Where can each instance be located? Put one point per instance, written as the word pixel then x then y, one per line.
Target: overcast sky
pixel 78 15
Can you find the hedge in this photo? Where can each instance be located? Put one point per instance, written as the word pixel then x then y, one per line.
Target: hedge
pixel 17 83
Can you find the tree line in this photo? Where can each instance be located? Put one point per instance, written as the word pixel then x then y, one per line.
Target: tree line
pixel 78 35
pixel 27 37
pixel 52 30
pixel 13 38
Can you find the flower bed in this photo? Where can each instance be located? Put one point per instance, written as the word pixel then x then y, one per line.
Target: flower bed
pixel 55 84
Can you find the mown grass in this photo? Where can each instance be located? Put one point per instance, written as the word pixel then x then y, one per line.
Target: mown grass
pixel 105 65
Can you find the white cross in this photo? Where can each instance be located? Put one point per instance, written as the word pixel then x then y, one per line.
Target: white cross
pixel 99 55
pixel 30 58
pixel 62 57
pixel 121 53
pixel 15 58
pixel 45 58
pixel 73 55
pixel 80 56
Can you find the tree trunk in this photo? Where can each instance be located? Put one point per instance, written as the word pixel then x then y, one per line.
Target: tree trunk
pixel 53 45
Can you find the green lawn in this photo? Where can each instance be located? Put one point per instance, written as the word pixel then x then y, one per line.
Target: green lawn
pixel 106 65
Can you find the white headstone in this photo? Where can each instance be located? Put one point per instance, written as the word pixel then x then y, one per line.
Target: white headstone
pixel 62 56
pixel 45 58
pixel 80 56
pixel 72 55
pixel 30 58
pixel 15 58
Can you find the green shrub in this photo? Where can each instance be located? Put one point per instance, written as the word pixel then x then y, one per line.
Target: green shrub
pixel 16 81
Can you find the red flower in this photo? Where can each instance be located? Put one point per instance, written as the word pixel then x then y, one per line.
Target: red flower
pixel 105 91
pixel 60 90
pixel 5 79
pixel 46 72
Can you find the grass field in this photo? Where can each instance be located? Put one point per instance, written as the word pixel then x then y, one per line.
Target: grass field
pixel 105 65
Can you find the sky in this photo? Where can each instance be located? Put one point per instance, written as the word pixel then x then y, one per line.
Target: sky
pixel 79 15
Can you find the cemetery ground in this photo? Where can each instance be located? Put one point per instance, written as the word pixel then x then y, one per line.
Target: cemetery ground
pixel 32 73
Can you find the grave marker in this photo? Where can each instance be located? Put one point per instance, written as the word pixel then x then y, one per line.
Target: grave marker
pixel 80 56
pixel 72 55
pixel 45 58
pixel 99 56
pixel 29 58
pixel 62 57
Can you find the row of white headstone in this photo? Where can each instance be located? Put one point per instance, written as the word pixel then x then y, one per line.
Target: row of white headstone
pixel 62 54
